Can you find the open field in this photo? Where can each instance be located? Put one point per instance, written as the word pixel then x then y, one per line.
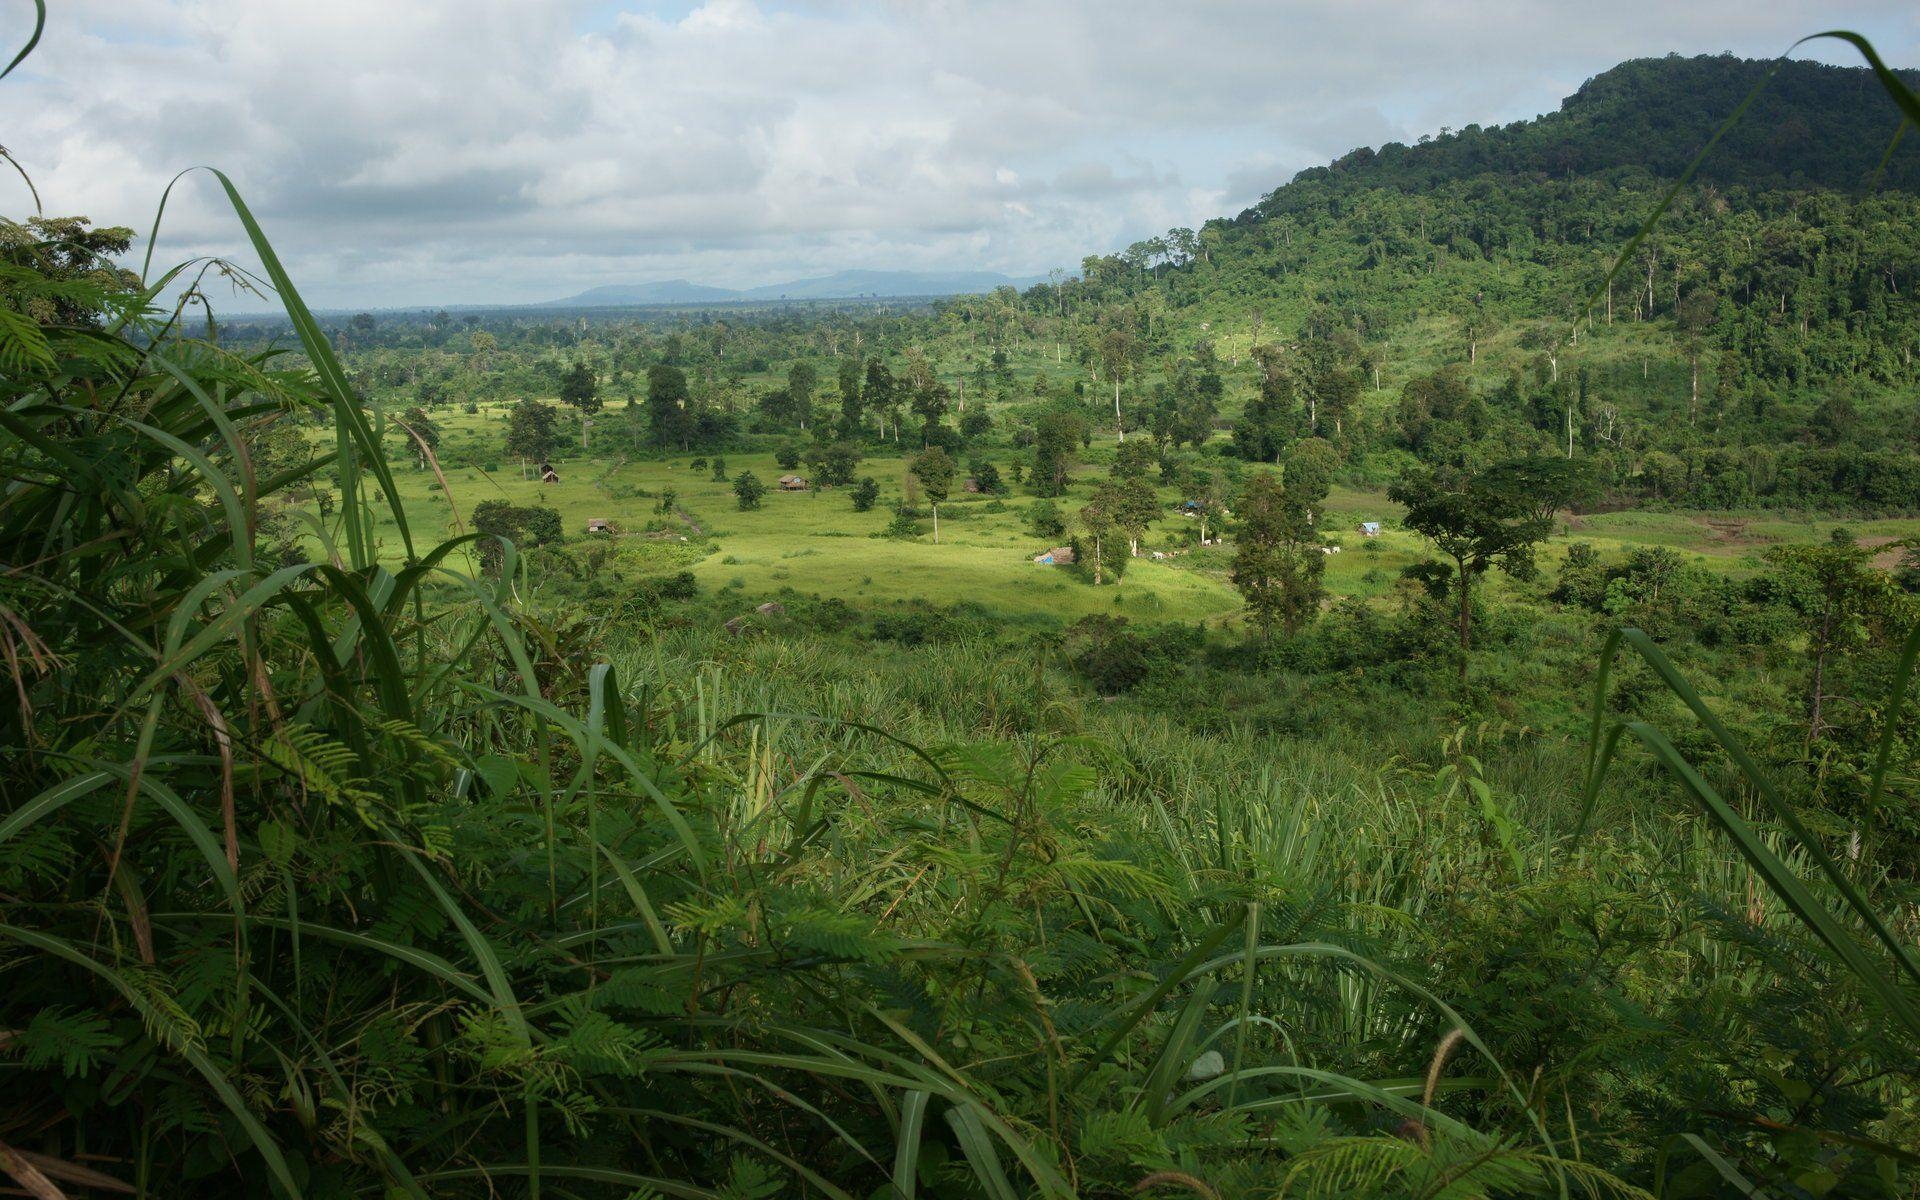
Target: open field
pixel 814 543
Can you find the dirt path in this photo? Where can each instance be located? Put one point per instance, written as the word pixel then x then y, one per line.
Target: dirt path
pixel 686 518
pixel 1886 560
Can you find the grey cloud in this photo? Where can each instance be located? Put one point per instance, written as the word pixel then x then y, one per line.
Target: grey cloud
pixel 477 150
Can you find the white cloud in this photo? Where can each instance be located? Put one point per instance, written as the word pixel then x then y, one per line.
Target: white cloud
pixel 495 150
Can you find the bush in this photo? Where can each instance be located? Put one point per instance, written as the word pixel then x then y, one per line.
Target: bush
pixel 1045 519
pixel 747 490
pixel 905 523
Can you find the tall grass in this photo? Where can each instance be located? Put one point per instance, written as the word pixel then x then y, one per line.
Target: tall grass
pixel 347 878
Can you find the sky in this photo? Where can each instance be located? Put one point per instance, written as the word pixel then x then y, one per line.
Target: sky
pixel 424 152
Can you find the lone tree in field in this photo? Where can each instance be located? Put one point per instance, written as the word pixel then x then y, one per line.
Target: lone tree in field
pixel 579 388
pixel 1096 521
pixel 865 494
pixel 1493 518
pixel 421 432
pixel 1134 505
pixel 747 490
pixel 935 471
pixel 832 464
pixel 532 433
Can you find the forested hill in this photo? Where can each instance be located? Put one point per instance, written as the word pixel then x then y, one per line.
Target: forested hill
pixel 1763 339
pixel 1812 126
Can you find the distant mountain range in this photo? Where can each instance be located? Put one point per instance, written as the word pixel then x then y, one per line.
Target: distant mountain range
pixel 841 285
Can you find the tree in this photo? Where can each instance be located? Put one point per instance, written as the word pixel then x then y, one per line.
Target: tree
pixel 579 388
pixel 64 251
pixel 668 498
pixel 668 401
pixel 484 346
pixel 421 432
pixel 930 404
pixel 833 464
pixel 719 469
pixel 975 425
pixel 1133 504
pixel 1196 409
pixel 1257 564
pixel 1279 559
pixel 1694 317
pixel 1096 520
pixel 747 490
pixel 801 378
pixel 1309 471
pixel 935 471
pixel 1841 597
pixel 1118 349
pixel 1332 383
pixel 865 494
pixel 1055 435
pixel 850 402
pixel 532 432
pixel 786 456
pixel 1271 419
pixel 524 526
pixel 880 395
pixel 1492 518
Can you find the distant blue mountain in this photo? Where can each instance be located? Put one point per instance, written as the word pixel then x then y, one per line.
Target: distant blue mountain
pixel 842 285
pixel 668 291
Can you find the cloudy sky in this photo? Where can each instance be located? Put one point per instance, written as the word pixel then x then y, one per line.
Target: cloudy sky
pixel 414 152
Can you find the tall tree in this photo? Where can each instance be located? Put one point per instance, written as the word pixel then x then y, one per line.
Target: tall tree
pixel 1258 568
pixel 878 396
pixel 532 432
pixel 1118 349
pixel 1279 559
pixel 422 434
pixel 668 401
pixel 1056 434
pixel 801 380
pixel 935 470
pixel 1843 600
pixel 851 407
pixel 1270 420
pixel 580 388
pixel 1134 503
pixel 1096 521
pixel 1490 518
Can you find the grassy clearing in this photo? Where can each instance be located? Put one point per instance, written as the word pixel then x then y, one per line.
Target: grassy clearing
pixel 815 544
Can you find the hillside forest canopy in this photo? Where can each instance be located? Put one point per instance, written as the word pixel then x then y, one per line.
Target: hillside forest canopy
pixel 1401 691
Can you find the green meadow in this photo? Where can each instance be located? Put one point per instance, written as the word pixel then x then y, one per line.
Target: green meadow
pixel 814 543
